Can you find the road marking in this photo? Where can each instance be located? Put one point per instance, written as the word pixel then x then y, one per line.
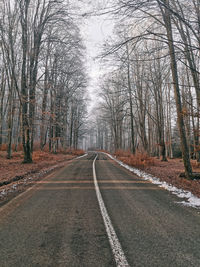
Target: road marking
pixel 82 156
pixel 118 253
pixel 91 187
pixel 91 182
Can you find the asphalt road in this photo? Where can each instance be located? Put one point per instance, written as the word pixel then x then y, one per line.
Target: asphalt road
pixel 58 222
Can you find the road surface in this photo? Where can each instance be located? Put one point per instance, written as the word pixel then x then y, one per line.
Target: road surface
pixel 59 221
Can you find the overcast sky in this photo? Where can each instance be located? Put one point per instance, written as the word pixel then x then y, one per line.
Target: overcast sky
pixel 95 31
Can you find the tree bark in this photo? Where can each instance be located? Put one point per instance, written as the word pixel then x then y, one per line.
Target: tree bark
pixel 174 71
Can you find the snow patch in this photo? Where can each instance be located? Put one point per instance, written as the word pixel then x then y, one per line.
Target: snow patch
pixel 189 199
pixel 14 186
pixel 3 193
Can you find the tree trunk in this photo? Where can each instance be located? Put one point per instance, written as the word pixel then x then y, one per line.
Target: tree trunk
pixel 24 91
pixel 130 104
pixel 44 105
pixel 184 146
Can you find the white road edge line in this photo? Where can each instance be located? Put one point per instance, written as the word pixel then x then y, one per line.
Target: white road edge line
pixel 82 156
pixel 117 250
pixel 188 199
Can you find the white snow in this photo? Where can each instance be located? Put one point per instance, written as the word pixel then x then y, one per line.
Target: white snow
pixel 14 186
pixel 3 192
pixel 188 198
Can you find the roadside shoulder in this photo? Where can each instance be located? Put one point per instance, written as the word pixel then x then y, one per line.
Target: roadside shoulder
pixel 188 199
pixel 18 186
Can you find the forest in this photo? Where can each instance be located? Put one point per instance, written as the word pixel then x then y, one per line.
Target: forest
pixel 100 133
pixel 149 101
pixel 42 75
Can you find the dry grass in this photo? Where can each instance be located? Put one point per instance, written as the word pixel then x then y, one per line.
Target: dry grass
pixel 4 147
pixel 166 171
pixel 11 168
pixel 76 152
pixel 41 155
pixel 139 160
pixel 195 164
pixel 170 171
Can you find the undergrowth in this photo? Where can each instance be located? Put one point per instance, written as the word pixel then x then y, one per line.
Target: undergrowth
pixel 139 159
pixel 39 155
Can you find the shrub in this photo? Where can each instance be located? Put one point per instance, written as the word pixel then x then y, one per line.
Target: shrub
pixel 3 147
pixel 138 159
